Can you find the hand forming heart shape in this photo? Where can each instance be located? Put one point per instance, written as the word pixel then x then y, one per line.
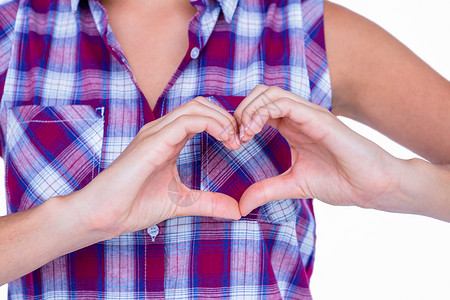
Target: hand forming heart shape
pixel 329 161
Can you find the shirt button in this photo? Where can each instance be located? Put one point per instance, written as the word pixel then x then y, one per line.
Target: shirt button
pixel 153 232
pixel 195 52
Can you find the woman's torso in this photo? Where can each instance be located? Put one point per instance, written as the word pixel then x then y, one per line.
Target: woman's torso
pixel 68 77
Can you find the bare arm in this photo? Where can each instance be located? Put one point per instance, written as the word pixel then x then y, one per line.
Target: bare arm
pixel 378 81
pixel 332 163
pixel 31 238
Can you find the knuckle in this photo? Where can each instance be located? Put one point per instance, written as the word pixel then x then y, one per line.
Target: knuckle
pixel 209 121
pixel 190 107
pixel 273 89
pixel 260 112
pixel 198 99
pixel 193 102
pixel 146 126
pixel 198 102
pixel 182 119
pixel 142 134
pixel 261 87
pixel 283 100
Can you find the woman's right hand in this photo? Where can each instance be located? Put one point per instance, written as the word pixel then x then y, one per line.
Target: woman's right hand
pixel 133 192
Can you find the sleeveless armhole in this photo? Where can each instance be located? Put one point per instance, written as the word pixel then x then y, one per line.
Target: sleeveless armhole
pixel 8 12
pixel 315 52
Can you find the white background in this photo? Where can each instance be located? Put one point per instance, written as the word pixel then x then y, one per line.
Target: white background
pixel 365 254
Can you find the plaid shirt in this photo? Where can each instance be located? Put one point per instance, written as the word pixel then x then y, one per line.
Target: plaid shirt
pixel 70 105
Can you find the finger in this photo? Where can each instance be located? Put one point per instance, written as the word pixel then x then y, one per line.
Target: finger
pixel 268 190
pixel 270 94
pixel 170 139
pixel 220 109
pixel 271 110
pixel 258 90
pixel 199 106
pixel 209 204
pixel 316 123
pixel 210 104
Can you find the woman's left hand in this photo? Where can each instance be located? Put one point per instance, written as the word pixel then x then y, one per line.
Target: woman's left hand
pixel 329 161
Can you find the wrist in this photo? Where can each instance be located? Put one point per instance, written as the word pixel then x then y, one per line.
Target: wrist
pixel 70 219
pixel 422 189
pixel 434 181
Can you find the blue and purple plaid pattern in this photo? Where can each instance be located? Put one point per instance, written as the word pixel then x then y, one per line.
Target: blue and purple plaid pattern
pixel 70 105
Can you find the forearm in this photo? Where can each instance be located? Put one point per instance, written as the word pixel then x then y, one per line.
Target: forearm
pixel 31 238
pixel 423 189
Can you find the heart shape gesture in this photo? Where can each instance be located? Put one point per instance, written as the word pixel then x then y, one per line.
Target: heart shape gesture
pixel 142 187
pixel 329 161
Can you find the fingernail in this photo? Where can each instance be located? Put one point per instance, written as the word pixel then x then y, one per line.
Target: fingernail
pixel 238 141
pixel 241 131
pixel 248 125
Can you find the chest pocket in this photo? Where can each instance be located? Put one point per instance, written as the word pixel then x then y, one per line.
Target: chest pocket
pixel 51 151
pixel 232 171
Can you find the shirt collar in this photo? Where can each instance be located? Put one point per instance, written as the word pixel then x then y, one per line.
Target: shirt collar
pixel 74 5
pixel 228 7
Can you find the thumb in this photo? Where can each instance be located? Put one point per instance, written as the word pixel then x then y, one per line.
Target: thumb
pixel 267 190
pixel 208 204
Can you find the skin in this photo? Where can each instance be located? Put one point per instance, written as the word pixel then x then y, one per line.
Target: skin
pixel 140 25
pixel 364 62
pixel 332 163
pixel 378 81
